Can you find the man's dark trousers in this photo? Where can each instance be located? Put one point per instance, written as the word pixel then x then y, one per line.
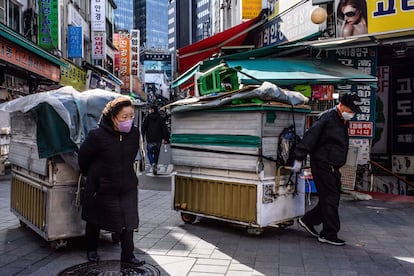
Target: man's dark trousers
pixel 328 185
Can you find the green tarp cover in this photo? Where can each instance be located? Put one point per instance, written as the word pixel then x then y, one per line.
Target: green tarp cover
pixel 52 133
pixel 292 71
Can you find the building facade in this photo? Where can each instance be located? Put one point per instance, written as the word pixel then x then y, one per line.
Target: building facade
pixel 151 18
pixel 124 15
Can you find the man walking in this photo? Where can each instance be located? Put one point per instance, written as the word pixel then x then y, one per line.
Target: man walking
pixel 155 132
pixel 327 144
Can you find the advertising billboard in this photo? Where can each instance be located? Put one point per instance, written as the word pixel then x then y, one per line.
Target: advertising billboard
pixel 359 17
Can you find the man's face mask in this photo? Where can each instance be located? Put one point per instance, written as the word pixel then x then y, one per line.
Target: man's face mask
pixel 347 115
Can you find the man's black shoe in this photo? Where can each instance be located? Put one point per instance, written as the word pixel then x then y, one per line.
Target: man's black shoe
pixel 133 261
pixel 93 256
pixel 309 228
pixel 333 241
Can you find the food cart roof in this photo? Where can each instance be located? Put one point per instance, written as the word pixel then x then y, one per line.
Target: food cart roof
pixel 291 71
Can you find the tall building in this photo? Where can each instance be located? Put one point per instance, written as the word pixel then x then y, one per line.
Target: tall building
pixel 151 18
pixel 124 15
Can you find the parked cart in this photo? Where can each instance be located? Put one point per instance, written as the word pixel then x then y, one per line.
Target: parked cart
pixel 46 130
pixel 224 159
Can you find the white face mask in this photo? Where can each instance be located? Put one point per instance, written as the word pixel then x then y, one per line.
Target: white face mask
pixel 347 116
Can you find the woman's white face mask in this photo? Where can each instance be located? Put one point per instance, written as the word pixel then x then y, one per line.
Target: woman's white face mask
pixel 347 115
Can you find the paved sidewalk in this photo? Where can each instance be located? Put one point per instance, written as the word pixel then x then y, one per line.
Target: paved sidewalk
pixel 379 236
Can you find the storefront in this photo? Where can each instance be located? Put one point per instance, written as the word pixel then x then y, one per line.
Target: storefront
pixel 24 66
pixel 382 45
pixel 98 77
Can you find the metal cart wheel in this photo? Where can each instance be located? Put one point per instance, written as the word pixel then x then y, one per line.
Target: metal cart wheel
pixel 58 244
pixel 286 224
pixel 254 231
pixel 188 218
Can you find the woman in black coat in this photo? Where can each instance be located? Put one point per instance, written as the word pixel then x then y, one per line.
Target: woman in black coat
pixel 110 197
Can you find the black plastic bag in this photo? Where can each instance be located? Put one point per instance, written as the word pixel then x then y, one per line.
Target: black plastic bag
pixel 286 146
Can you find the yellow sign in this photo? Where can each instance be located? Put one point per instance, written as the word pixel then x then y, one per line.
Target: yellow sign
pixel 387 15
pixel 251 8
pixel 73 76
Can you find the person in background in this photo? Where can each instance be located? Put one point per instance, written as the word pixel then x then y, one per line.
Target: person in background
pixel 327 141
pixel 110 195
pixel 353 15
pixel 155 132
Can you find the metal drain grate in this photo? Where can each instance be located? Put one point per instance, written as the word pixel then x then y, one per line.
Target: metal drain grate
pixel 110 267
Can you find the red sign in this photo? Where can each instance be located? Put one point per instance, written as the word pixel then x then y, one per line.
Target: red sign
pixel 24 59
pixel 124 60
pixel 362 129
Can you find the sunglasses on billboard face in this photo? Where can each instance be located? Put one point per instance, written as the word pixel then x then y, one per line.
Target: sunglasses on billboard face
pixel 350 14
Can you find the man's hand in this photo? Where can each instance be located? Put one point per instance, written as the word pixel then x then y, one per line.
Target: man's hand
pixel 297 165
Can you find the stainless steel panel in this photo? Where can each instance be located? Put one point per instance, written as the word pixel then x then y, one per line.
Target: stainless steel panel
pixel 196 158
pixel 230 123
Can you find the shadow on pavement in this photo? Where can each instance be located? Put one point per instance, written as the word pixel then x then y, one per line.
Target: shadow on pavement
pixel 378 236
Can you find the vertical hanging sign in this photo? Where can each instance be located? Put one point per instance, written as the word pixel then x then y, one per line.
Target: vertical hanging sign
pixel 134 52
pixel 98 45
pixel 135 82
pixel 124 61
pixel 98 15
pixel 48 24
pixel 75 42
pixel 364 59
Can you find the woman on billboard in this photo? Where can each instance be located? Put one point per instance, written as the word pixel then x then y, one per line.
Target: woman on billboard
pixel 352 17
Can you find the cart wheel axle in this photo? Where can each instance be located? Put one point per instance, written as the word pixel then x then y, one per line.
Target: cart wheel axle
pixel 254 231
pixel 188 218
pixel 58 244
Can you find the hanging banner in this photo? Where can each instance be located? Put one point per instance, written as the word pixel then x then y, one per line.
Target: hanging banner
pixel 98 20
pixel 98 45
pixel 75 42
pixel 124 61
pixel 134 52
pixel 48 24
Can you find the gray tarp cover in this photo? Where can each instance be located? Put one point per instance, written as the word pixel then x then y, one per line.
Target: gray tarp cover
pixel 267 92
pixel 80 112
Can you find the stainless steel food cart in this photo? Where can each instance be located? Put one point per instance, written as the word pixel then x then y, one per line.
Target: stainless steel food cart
pixel 224 165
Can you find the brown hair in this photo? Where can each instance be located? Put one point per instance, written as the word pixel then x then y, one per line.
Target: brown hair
pixel 113 107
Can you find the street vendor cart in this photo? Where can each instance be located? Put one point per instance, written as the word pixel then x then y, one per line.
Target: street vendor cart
pixel 46 130
pixel 224 150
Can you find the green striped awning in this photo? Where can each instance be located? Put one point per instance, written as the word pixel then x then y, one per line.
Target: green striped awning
pixel 217 140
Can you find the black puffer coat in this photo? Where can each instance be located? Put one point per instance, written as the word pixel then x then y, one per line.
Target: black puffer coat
pixel 154 128
pixel 110 198
pixel 326 141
